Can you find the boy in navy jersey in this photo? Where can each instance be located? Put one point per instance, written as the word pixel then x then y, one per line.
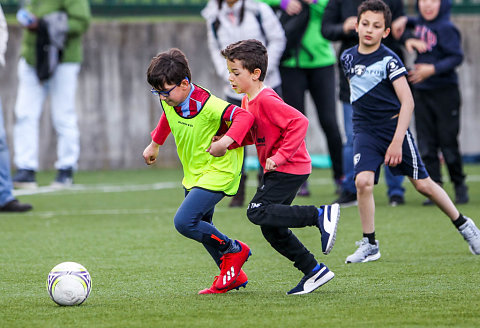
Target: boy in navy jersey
pixel 382 108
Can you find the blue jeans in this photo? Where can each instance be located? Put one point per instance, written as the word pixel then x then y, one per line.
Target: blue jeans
pixel 5 177
pixel 194 220
pixel 394 182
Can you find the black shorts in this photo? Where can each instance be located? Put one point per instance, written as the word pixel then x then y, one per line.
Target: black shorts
pixel 370 146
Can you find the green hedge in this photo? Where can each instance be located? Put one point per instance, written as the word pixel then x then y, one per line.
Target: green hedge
pixel 182 7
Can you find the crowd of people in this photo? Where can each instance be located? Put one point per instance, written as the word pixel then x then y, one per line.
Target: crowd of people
pixel 269 53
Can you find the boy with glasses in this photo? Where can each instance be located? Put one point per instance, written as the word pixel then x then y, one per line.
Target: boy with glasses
pixel 194 116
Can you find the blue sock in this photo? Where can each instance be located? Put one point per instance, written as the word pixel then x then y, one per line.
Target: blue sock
pixel 316 268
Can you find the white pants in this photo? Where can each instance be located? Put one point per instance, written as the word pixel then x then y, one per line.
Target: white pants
pixel 31 96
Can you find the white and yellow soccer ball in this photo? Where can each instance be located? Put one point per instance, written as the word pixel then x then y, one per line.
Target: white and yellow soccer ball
pixel 69 283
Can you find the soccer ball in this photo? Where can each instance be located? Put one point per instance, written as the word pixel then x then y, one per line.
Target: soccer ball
pixel 69 283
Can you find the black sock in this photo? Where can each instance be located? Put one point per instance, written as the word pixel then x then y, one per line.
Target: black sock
pixel 371 237
pixel 460 221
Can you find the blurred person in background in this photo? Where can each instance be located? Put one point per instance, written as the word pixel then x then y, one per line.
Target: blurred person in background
pixel 51 54
pixel 8 203
pixel 229 21
pixel 308 65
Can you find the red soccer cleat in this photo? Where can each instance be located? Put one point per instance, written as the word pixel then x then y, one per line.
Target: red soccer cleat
pixel 231 266
pixel 241 281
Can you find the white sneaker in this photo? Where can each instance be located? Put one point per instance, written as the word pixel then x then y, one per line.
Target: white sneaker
pixel 366 252
pixel 471 234
pixel 327 223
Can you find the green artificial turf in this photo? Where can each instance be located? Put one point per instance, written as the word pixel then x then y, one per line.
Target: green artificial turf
pixel 118 224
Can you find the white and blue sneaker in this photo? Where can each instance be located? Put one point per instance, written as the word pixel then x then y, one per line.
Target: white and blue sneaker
pixel 327 223
pixel 471 234
pixel 318 277
pixel 365 252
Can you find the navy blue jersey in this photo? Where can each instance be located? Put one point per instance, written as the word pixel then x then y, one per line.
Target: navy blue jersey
pixel 372 94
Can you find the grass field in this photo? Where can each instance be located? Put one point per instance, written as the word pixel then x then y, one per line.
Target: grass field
pixel 145 274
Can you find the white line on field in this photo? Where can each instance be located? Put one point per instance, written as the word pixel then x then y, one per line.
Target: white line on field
pixel 78 188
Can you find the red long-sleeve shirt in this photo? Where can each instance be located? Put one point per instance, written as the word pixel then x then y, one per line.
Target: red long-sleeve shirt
pixel 278 133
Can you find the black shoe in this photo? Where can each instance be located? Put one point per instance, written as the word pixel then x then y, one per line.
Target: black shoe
pixel 427 202
pixel 347 199
pixel 15 206
pixel 396 200
pixel 24 179
pixel 303 191
pixel 64 178
pixel 338 186
pixel 461 194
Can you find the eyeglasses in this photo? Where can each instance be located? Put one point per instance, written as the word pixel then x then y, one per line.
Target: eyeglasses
pixel 166 93
pixel 163 93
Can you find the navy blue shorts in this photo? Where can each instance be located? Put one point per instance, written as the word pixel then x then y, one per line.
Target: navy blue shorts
pixel 370 146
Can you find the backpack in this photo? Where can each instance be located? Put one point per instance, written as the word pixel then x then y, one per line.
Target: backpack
pixel 294 27
pixel 258 16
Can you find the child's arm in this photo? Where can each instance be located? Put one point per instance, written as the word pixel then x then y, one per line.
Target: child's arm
pixel 159 135
pixel 294 126
pixel 393 156
pixel 242 121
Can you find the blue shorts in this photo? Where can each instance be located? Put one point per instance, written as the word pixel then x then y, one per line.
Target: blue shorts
pixel 370 146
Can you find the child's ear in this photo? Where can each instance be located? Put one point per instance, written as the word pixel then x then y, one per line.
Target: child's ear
pixel 256 74
pixel 356 26
pixel 386 32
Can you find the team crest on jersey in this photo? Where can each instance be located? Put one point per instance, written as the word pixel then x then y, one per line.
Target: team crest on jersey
pixel 393 65
pixel 356 159
pixel 360 69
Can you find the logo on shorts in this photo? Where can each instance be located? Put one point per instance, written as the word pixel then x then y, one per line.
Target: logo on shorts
pixel 356 159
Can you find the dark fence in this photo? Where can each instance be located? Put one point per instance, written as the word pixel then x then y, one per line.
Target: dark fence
pixel 193 7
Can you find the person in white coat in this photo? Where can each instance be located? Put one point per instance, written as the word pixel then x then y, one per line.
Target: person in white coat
pixel 229 21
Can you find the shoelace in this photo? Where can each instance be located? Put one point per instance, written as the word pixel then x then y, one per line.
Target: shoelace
pixel 470 232
pixel 363 247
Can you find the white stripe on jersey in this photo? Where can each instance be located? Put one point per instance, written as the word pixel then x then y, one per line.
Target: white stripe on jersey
pixel 398 71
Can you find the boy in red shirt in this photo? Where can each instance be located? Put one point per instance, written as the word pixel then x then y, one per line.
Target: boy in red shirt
pixel 279 134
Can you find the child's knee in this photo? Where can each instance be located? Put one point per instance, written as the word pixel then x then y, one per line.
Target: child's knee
pixel 181 225
pixel 425 186
pixel 363 183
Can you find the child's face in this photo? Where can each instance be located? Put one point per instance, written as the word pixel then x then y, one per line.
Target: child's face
pixel 371 29
pixel 175 93
pixel 429 9
pixel 240 78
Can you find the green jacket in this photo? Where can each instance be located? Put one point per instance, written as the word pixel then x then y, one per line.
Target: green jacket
pixel 316 51
pixel 78 12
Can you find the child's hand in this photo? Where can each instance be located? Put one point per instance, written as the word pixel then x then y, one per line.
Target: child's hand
pixel 150 153
pixel 270 165
pixel 398 26
pixel 219 145
pixel 393 156
pixel 294 7
pixel 415 44
pixel 349 24
pixel 420 73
